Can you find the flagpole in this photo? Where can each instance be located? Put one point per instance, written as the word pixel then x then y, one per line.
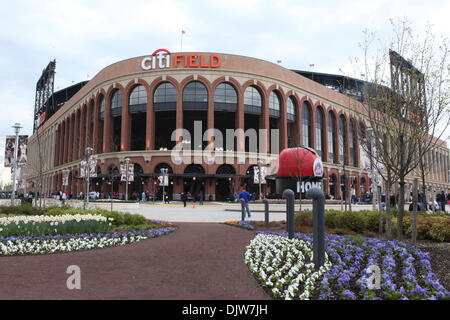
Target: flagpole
pixel 181 48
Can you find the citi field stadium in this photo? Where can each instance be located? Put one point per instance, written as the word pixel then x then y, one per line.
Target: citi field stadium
pixel 210 119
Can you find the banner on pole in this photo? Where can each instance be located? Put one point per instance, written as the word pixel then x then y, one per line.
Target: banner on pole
pixel 256 175
pixel 65 177
pixel 123 172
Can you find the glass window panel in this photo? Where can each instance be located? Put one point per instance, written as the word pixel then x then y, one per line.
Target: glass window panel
pixel 290 107
pixel 306 120
pixel 274 102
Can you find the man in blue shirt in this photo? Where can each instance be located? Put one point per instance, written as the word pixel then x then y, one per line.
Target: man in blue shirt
pixel 246 197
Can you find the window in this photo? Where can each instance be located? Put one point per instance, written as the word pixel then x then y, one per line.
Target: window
pixel 116 100
pixel 252 100
pixel 165 92
pixel 290 109
pixel 195 92
pixel 225 93
pixel 319 128
pixel 306 123
pixel 331 135
pixel 138 96
pixel 102 104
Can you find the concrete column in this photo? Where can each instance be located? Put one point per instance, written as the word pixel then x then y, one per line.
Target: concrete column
pixel 283 126
pixel 82 133
pixel 76 136
pixel 179 112
pixel 239 122
pixel 107 126
pixel 210 115
pixel 125 133
pixel 70 139
pixel 325 156
pixel 150 125
pixel 94 138
pixel 66 140
pixel 264 123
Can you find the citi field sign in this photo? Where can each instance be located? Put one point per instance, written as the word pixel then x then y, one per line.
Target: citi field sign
pixel 163 59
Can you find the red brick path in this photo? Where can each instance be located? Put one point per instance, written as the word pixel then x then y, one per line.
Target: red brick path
pixel 199 261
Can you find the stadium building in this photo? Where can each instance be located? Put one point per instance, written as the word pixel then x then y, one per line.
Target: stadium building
pixel 131 109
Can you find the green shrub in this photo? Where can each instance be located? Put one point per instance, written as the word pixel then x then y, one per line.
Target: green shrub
pixel 331 218
pixel 134 219
pixel 352 220
pixel 303 218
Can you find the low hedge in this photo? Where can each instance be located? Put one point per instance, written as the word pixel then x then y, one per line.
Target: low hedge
pixel 434 227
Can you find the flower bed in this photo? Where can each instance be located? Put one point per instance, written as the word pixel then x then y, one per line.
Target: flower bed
pixel 33 244
pixel 52 225
pixel 242 224
pixel 284 267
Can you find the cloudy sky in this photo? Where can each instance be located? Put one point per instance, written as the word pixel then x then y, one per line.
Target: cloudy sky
pixel 86 36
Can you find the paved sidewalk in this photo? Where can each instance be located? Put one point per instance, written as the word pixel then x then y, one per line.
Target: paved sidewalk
pixel 199 261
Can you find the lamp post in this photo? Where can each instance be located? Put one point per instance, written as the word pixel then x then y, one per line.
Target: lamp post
pixel 164 172
pixel 127 161
pixel 17 128
pixel 373 187
pixel 88 173
pixel 259 177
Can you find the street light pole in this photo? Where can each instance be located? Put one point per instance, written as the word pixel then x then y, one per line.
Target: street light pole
pixel 16 127
pixel 127 160
pixel 88 169
pixel 259 177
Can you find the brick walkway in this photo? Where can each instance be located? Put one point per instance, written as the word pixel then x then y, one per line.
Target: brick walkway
pixel 199 261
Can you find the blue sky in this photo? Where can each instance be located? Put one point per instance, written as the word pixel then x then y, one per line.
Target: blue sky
pixel 86 36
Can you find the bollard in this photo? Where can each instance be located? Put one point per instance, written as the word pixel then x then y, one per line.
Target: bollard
pixel 318 226
pixel 242 210
pixel 266 212
pixel 288 194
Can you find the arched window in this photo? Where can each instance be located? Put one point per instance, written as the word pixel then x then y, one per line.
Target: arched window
pixel 319 132
pixel 342 140
pixel 290 109
pixel 116 103
pixel 102 107
pixel 102 104
pixel 252 100
pixel 165 97
pixel 331 136
pixel 195 96
pixel 352 138
pixel 306 123
pixel 138 99
pixel 225 98
pixel 274 105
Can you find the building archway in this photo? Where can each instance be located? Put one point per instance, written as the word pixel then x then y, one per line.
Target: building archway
pixel 135 188
pixel 223 184
pixel 193 182
pixel 159 188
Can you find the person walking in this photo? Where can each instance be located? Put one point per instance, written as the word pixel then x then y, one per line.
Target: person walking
pixel 144 197
pixel 201 198
pixel 183 198
pixel 246 197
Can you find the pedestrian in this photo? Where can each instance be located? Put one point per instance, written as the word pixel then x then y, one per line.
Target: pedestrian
pixel 166 197
pixel 236 197
pixel 246 197
pixel 183 198
pixel 201 197
pixel 144 198
pixel 443 201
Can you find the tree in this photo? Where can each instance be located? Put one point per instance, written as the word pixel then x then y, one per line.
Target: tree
pixel 407 107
